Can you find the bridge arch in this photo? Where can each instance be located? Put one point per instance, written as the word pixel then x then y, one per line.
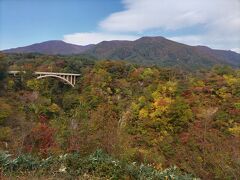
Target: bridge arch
pixel 56 76
pixel 69 78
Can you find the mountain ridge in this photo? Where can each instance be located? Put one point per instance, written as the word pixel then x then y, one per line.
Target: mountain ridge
pixel 145 50
pixel 164 52
pixel 51 47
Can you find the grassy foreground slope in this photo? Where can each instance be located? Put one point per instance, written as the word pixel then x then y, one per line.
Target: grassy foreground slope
pixel 138 116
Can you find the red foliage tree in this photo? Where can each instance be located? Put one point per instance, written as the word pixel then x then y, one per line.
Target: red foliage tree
pixel 40 140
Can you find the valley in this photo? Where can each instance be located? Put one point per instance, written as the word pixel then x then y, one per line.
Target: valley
pixel 121 120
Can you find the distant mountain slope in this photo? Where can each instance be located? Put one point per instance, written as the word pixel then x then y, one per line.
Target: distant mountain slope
pixel 227 56
pixel 161 51
pixel 50 47
pixel 146 50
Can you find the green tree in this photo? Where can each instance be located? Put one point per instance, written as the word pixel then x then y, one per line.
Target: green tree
pixel 180 114
pixel 5 111
pixel 3 70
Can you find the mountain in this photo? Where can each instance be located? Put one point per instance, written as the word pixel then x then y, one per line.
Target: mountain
pixel 164 52
pixel 228 56
pixel 146 50
pixel 50 47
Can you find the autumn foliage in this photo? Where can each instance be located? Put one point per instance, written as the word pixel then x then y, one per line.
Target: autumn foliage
pixel 153 115
pixel 40 139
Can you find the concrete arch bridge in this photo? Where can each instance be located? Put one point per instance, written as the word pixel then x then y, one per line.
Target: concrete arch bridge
pixel 68 78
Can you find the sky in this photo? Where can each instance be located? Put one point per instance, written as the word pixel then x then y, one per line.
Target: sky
pixel 213 23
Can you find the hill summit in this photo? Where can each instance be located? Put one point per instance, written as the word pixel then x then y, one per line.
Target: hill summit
pixel 146 50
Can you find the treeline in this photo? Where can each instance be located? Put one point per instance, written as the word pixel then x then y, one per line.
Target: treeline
pixel 149 115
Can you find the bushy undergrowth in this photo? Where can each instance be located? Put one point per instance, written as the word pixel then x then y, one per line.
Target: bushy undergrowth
pixel 97 164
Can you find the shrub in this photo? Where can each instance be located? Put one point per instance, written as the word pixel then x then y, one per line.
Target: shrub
pixel 97 164
pixel 40 140
pixel 5 111
pixel 5 133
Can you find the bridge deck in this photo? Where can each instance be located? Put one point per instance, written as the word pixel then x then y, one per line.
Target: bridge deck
pixel 46 73
pixel 54 73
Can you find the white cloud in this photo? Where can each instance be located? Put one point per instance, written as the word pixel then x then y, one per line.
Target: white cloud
pixel 141 15
pixel 95 37
pixel 218 21
pixel 236 50
pixel 188 39
pixel 211 40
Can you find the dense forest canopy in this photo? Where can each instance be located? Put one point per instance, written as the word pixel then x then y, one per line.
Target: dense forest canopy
pixel 162 117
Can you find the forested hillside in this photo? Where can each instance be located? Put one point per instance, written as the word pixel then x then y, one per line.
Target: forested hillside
pixel 145 51
pixel 164 52
pixel 121 120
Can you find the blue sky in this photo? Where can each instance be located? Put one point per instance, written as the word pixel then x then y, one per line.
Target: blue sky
pixel 23 22
pixel 214 23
